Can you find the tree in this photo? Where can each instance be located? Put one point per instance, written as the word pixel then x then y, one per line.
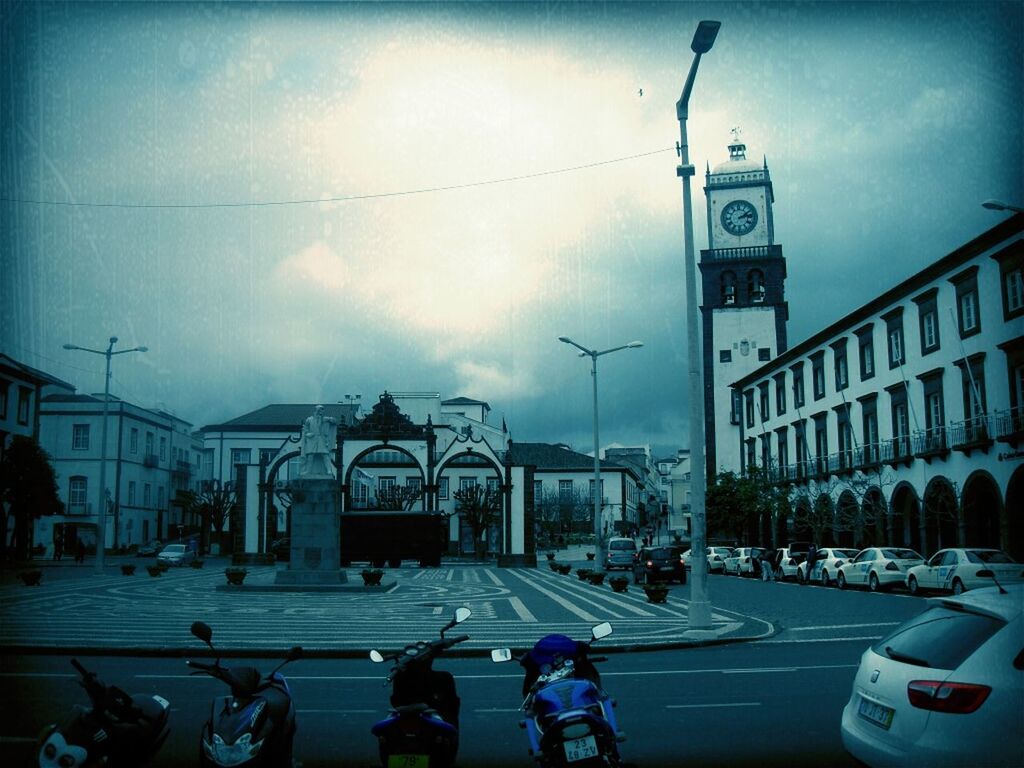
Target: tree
pixel 28 490
pixel 399 497
pixel 558 512
pixel 479 507
pixel 213 504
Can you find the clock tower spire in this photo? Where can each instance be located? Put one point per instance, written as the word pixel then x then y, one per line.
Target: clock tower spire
pixel 744 309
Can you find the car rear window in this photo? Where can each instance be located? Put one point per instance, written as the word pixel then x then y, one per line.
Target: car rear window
pixel 659 553
pixel 994 556
pixel 940 638
pixel 622 544
pixel 900 554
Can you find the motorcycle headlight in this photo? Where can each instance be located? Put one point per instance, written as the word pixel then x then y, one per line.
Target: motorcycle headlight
pixel 232 754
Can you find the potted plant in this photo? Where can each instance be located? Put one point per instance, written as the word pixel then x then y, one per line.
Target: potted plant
pixel 590 555
pixel 127 569
pixel 550 556
pixel 235 574
pixel 565 569
pixel 619 583
pixel 155 570
pixel 163 565
pixel 596 578
pixel 584 573
pixel 554 566
pixel 656 593
pixel 372 576
pixel 31 578
pixel 197 563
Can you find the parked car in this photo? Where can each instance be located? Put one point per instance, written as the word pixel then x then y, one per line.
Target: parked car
pixel 744 561
pixel 715 558
pixel 620 553
pixel 282 549
pixel 878 568
pixel 825 566
pixel 957 570
pixel 945 688
pixel 659 564
pixel 176 554
pixel 149 549
pixel 787 564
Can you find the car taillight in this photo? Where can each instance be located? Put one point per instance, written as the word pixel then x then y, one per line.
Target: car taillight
pixel 650 563
pixel 952 698
pixel 891 566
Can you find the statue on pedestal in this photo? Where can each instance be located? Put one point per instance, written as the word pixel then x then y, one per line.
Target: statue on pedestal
pixel 318 436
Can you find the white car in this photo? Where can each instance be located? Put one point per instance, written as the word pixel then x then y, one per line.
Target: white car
pixel 716 558
pixel 957 570
pixel 788 564
pixel 176 554
pixel 826 566
pixel 945 688
pixel 878 568
pixel 741 561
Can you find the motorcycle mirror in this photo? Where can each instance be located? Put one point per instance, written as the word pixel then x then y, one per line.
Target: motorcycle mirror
pixel 202 631
pixel 461 614
pixel 376 656
pixel 601 630
pixel 499 655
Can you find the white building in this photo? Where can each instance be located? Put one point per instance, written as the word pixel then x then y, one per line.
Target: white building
pixel 674 481
pixel 902 422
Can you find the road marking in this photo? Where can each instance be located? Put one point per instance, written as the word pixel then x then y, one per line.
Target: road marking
pixel 521 610
pixel 558 599
pixel 336 711
pixel 844 626
pixel 825 640
pixel 491 575
pixel 709 706
pixel 755 671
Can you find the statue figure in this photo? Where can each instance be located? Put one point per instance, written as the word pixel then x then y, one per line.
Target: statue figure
pixel 318 434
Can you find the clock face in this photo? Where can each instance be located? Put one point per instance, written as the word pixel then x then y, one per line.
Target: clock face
pixel 739 217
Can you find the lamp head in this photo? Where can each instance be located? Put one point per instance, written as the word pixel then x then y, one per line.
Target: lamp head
pixel 565 339
pixel 994 205
pixel 70 346
pixel 705 36
pixel 113 339
pixel 142 349
pixel 635 344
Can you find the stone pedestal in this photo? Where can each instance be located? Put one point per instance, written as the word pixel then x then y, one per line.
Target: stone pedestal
pixel 314 535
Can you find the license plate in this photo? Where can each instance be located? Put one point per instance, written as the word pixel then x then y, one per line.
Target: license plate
pixel 408 761
pixel 875 713
pixel 580 749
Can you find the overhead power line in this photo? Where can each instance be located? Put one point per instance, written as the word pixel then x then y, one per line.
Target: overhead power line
pixel 338 199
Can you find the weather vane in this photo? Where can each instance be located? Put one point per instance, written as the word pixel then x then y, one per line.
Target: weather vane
pixel 735 134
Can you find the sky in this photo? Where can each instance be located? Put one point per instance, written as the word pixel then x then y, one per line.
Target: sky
pixel 296 202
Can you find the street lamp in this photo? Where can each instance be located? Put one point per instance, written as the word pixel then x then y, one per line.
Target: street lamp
pixel 593 355
pixel 700 607
pixel 101 527
pixel 996 205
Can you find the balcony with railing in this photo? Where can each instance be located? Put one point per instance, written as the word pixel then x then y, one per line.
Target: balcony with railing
pixel 896 451
pixel 741 254
pixel 182 469
pixel 931 443
pixel 1008 426
pixel 150 460
pixel 971 435
pixel 867 456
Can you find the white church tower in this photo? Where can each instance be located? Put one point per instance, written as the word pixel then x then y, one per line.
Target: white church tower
pixel 744 308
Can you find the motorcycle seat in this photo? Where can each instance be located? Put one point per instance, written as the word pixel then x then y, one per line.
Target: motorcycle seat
pixel 415 709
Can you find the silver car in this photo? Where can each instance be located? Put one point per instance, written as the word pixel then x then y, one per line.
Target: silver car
pixel 176 554
pixel 621 553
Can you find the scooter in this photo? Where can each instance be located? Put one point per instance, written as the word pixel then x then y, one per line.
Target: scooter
pixel 422 729
pixel 570 719
pixel 255 725
pixel 118 731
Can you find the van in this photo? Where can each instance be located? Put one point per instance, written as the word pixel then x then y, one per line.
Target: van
pixel 620 553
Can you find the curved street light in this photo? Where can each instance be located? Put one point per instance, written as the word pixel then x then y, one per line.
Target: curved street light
pixel 593 354
pixel 101 526
pixel 998 205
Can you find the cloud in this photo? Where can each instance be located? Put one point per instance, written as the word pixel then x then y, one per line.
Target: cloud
pixel 316 264
pixel 498 383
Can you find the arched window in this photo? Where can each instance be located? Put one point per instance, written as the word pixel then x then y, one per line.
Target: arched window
pixel 728 287
pixel 755 286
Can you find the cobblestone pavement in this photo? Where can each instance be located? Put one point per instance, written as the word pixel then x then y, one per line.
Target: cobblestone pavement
pixel 79 610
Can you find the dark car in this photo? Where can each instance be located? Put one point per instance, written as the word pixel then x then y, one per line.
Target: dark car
pixel 282 549
pixel 659 564
pixel 150 549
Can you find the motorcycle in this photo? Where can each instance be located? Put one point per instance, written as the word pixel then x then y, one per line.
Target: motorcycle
pixel 255 724
pixel 570 719
pixel 422 729
pixel 118 730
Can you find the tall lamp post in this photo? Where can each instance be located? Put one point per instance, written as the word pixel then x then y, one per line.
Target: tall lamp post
pixel 700 606
pixel 101 527
pixel 593 355
pixel 997 205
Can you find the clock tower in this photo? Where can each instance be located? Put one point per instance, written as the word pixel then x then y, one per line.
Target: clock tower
pixel 744 309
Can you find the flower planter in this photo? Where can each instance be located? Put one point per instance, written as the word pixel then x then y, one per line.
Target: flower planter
pixel 196 563
pixel 554 566
pixel 372 577
pixel 590 555
pixel 565 569
pixel 128 569
pixel 596 578
pixel 619 583
pixel 163 565
pixel 550 556
pixel 656 593
pixel 30 578
pixel 235 575
pixel 155 570
pixel 584 573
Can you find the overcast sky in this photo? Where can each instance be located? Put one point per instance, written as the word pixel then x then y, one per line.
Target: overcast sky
pixel 187 136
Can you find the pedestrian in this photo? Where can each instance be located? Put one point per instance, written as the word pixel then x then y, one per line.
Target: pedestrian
pixel 58 548
pixel 767 565
pixel 80 551
pixel 812 558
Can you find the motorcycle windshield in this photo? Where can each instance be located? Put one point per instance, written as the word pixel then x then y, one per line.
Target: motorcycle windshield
pixel 552 647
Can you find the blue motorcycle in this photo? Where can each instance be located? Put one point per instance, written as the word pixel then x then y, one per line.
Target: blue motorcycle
pixel 570 719
pixel 255 725
pixel 422 729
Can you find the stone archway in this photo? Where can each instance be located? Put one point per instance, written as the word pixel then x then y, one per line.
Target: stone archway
pixel 270 514
pixel 874 519
pixel 353 500
pixel 939 516
pixel 801 519
pixel 905 517
pixel 982 508
pixel 472 461
pixel 848 520
pixel 1014 538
